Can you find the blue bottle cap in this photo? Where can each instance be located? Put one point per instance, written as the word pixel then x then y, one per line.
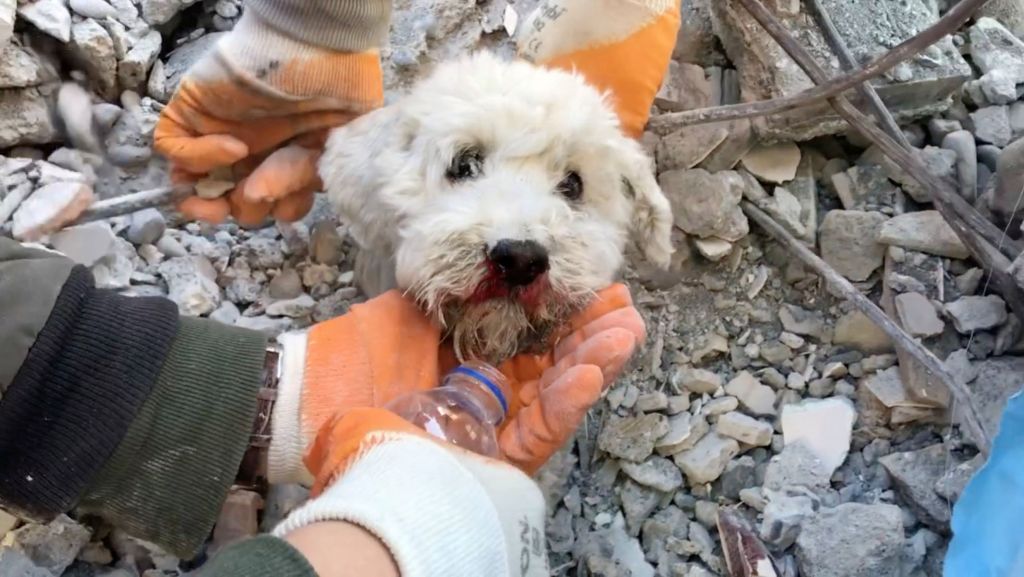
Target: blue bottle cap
pixel 495 389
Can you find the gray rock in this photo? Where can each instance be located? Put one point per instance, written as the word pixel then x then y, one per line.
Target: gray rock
pixel 638 503
pixel 801 321
pixel 925 231
pixel 49 205
pixel 1009 12
pixel 227 313
pixel 938 128
pixel 286 285
pixel 857 331
pixel 116 270
pixel 650 402
pixel 974 313
pixel 775 352
pixel 25 118
pixel 7 17
pixel 670 522
pixel 689 147
pixel 1009 181
pixel 85 244
pixel 997 380
pixel 49 16
pixel 864 188
pixel 720 406
pixel 870 28
pixel 696 42
pixel 656 472
pixel 728 154
pixel 133 70
pixel 938 161
pixel 962 143
pixel 852 540
pixel 325 244
pixel 848 242
pixel 776 163
pixel 785 208
pixel 633 438
pixel 706 461
pixel 784 515
pixel 739 474
pixel 266 325
pixel 705 204
pixel 22 67
pixel 954 480
pixel 700 381
pixel 191 284
pixel 744 429
pixel 685 87
pixel 993 47
pixel 915 475
pixel 51 547
pixel 92 48
pixel 96 9
pixel 183 57
pixel 294 308
pixel 918 316
pixel 157 12
pixel 992 125
pixel 14 562
pixel 147 226
pixel 796 466
pixel 1017 119
pixel 684 430
pixel 755 397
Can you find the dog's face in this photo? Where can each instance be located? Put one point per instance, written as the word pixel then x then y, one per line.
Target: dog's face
pixel 506 194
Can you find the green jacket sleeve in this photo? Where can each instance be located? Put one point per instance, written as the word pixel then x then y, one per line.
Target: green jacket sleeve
pixel 263 556
pixel 115 405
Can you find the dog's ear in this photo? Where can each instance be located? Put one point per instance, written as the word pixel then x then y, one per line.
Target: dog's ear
pixel 361 167
pixel 651 222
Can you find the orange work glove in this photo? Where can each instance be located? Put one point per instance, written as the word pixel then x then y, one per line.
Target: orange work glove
pixel 255 112
pixel 464 514
pixel 386 347
pixel 620 46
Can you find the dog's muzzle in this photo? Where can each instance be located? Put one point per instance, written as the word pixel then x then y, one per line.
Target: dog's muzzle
pixel 518 262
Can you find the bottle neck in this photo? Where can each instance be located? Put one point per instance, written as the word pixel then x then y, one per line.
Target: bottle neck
pixel 487 386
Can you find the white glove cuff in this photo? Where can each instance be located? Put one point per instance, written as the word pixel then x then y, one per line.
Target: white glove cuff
pixel 439 522
pixel 287 445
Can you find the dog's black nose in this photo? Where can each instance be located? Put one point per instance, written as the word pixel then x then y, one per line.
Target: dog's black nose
pixel 519 262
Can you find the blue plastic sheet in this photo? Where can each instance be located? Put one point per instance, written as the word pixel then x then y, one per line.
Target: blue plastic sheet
pixel 988 520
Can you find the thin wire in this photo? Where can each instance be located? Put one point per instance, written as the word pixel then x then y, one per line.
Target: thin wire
pixel 970 340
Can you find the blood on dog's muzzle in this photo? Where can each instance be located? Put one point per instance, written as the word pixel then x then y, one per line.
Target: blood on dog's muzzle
pixel 518 262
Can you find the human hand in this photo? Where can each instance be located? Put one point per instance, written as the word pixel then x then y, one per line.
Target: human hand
pixel 556 389
pixel 251 118
pixel 387 347
pixel 439 509
pixel 619 46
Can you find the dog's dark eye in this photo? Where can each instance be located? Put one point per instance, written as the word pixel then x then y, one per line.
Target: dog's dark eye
pixel 467 164
pixel 571 186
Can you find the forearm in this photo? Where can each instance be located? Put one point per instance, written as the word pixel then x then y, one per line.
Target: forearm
pixel 341 25
pixel 112 401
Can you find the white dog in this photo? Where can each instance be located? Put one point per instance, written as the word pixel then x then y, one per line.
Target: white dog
pixel 500 195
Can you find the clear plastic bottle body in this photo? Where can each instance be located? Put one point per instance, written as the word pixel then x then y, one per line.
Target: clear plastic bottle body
pixel 465 410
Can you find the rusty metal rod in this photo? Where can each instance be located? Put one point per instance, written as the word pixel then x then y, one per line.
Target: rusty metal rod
pixel 949 23
pixel 849 63
pixel 973 229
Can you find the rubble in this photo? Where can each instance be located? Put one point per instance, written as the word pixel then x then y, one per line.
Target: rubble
pixel 852 540
pixel 51 547
pixel 706 204
pixel 848 240
pixel 824 427
pixel 49 16
pixel 85 244
pixel 656 472
pixel 992 125
pixel 633 438
pixel 191 284
pixel 747 430
pixel 915 475
pixel 918 316
pixel 753 396
pixel 707 460
pixel 973 313
pixel 773 163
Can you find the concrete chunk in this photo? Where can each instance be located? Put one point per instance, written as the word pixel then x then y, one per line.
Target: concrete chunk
pixel 823 426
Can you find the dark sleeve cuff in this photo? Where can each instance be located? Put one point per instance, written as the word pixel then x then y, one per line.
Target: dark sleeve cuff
pixel 262 556
pixel 168 479
pixel 90 369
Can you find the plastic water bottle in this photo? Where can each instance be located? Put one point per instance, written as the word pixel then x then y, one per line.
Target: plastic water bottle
pixel 465 409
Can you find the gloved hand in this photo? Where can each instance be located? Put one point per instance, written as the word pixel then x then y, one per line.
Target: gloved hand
pixel 386 347
pixel 462 514
pixel 256 110
pixel 620 46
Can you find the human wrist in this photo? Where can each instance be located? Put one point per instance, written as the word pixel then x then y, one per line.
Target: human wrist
pixel 443 523
pixel 364 554
pixel 260 55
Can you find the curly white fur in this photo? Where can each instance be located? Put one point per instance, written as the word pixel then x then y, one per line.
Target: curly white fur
pixel 386 175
